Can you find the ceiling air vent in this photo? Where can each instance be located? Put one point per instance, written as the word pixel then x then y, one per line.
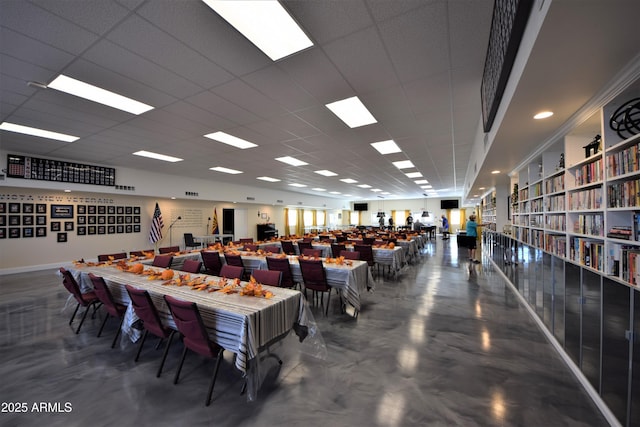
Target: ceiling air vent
pixel 191 193
pixel 125 187
pixel 279 201
pixel 250 198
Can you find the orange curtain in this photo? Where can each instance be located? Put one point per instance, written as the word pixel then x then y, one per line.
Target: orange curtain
pixel 300 222
pixel 287 231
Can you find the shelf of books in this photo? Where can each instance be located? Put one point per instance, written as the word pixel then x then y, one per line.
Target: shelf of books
pixel 580 200
pixel 488 210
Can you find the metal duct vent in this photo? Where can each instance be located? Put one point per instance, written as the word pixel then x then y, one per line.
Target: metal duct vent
pixel 250 198
pixel 191 193
pixel 125 187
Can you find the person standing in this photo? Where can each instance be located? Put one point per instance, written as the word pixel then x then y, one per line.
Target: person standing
pixel 472 232
pixel 410 222
pixel 391 223
pixel 381 221
pixel 445 227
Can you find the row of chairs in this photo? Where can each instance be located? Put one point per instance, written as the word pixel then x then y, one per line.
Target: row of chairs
pixel 186 316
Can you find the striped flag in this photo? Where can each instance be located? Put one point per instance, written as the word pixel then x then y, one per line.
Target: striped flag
pixel 214 226
pixel 156 225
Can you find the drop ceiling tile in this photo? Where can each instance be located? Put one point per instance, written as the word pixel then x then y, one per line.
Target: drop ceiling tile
pixel 95 16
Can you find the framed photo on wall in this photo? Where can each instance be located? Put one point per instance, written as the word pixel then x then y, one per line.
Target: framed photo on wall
pixel 3 220
pixel 14 219
pixel 136 210
pixel 111 210
pixel 82 230
pixel 120 229
pixel 14 208
pixel 61 211
pixel 27 208
pixel 136 228
pixel 120 210
pixel 3 207
pixel 91 209
pixel 82 209
pixel 128 210
pixel 41 220
pixel 82 219
pixel 101 229
pixel 91 219
pixel 55 225
pixel 41 231
pixel 27 220
pixel 62 237
pixel 102 219
pixel 111 219
pixel 41 208
pixel 68 226
pixel 129 229
pixel 111 229
pixel 27 232
pixel 14 233
pixel 3 233
pixel 91 229
pixel 102 210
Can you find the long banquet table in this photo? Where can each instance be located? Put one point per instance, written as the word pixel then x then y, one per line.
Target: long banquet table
pixel 241 324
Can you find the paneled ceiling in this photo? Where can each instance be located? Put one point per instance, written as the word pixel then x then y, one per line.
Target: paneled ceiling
pixel 415 64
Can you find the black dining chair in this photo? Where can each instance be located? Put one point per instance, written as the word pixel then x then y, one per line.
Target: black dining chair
pixel 190 242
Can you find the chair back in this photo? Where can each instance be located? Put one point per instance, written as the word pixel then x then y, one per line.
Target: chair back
pixel 162 261
pixel 304 245
pixel 324 238
pixel 107 257
pixel 350 254
pixel 250 247
pixel 273 249
pixel 366 253
pixel 212 262
pixel 146 311
pixel 234 260
pixel 315 253
pixel 313 275
pixel 191 266
pixel 189 323
pixel 337 248
pixel 282 265
pixel 189 241
pixel 231 271
pixel 268 277
pixel 368 240
pixel 104 295
pixel 72 286
pixel 141 253
pixel 287 247
pixel 341 238
pixel 246 240
pixel 169 249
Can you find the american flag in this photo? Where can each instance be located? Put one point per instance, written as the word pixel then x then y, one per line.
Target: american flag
pixel 156 225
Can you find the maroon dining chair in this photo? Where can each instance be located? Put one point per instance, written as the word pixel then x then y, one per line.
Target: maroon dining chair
pixel 169 249
pixel 315 253
pixel 272 249
pixel 366 253
pixel 287 247
pixel 107 257
pixel 87 300
pixel 212 262
pixel 314 277
pixel 191 266
pixel 188 320
pixel 113 308
pixel 231 272
pixel 304 245
pixel 236 260
pixel 282 265
pixel 250 247
pixel 268 277
pixel 246 240
pixel 141 253
pixel 147 312
pixel 162 261
pixel 337 248
pixel 355 255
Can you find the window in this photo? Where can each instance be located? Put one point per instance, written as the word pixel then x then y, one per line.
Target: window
pixel 308 218
pixel 454 214
pixel 353 218
pixel 293 217
pixel 320 215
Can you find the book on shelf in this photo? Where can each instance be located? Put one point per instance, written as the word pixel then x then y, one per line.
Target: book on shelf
pixel 621 232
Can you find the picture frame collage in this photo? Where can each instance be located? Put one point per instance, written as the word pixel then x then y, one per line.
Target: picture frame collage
pixel 101 219
pixel 23 220
pixel 29 219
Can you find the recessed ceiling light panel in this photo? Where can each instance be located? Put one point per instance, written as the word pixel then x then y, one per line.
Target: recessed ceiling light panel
pixel 352 111
pixel 326 173
pixel 157 156
pixel 27 130
pixel 386 147
pixel 291 161
pixel 349 180
pixel 264 23
pixel 225 170
pixel 404 164
pixel 295 184
pixel 99 95
pixel 413 175
pixel 225 138
pixel 543 115
pixel 268 179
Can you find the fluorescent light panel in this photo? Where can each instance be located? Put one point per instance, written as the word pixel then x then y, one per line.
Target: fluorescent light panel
pixel 27 130
pixel 386 147
pixel 295 184
pixel 364 186
pixel 157 156
pixel 291 161
pixel 268 179
pixel 225 138
pixel 334 192
pixel 99 95
pixel 421 181
pixel 319 189
pixel 225 170
pixel 352 111
pixel 404 164
pixel 349 180
pixel 413 175
pixel 326 173
pixel 265 23
pixel 375 190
